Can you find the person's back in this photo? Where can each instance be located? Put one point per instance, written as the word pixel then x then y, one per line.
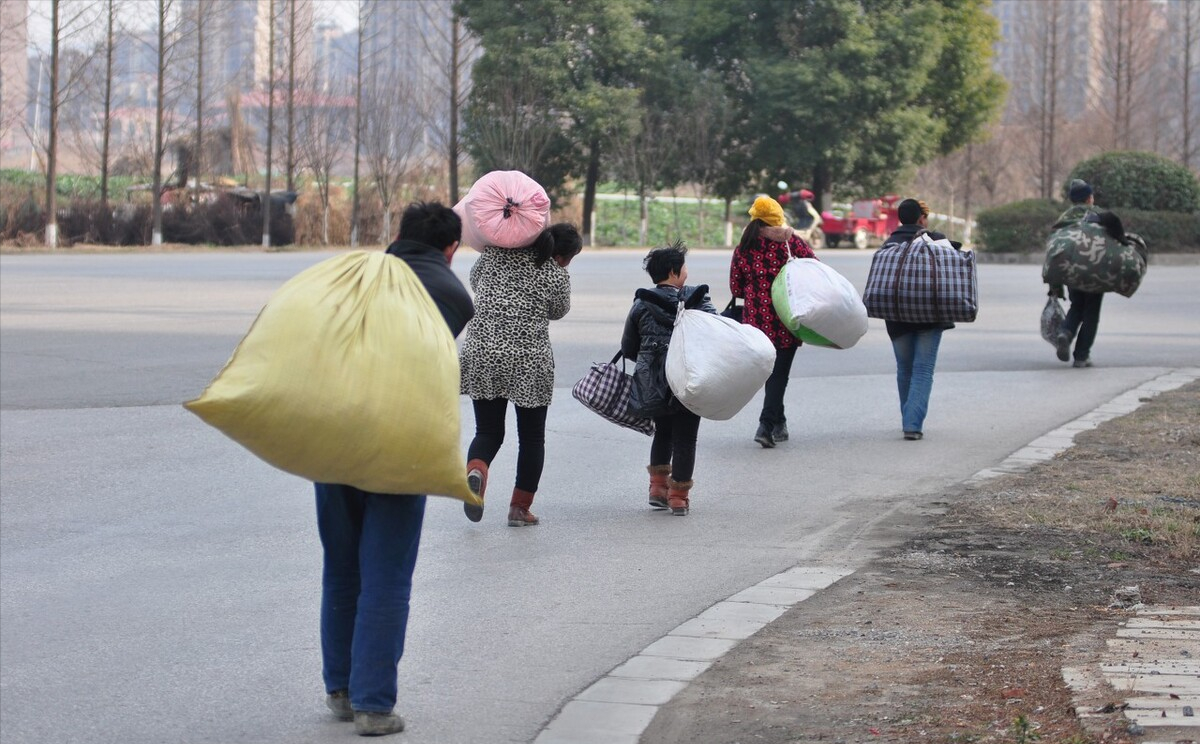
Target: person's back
pixel 1083 317
pixel 370 540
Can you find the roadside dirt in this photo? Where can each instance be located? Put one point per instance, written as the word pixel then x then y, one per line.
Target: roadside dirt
pixel 961 634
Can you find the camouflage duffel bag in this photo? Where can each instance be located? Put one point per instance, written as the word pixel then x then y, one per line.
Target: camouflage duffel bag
pixel 1084 256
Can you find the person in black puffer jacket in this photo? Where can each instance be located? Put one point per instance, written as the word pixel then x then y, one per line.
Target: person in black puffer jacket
pixel 646 338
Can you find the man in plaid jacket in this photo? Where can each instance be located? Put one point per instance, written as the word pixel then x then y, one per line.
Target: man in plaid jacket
pixel 915 344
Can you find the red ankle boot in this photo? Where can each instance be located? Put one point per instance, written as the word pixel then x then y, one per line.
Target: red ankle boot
pixel 518 509
pixel 677 496
pixel 477 472
pixel 658 485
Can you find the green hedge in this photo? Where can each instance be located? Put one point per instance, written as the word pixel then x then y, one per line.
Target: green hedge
pixel 1022 227
pixel 1139 180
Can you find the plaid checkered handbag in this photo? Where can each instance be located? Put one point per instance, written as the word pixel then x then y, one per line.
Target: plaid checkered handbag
pixel 606 389
pixel 922 281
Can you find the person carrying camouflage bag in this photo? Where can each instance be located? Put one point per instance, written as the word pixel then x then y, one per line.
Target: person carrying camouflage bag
pixel 1089 253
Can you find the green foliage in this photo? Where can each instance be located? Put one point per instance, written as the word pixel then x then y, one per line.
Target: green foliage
pixel 1020 227
pixel 1024 226
pixel 1139 180
pixel 617 223
pixel 1024 732
pixel 66 185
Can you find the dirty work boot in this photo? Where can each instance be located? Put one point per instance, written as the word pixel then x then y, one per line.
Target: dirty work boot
pixel 338 702
pixel 1062 346
pixel 658 485
pixel 518 509
pixel 367 723
pixel 677 497
pixel 763 435
pixel 477 481
pixel 779 432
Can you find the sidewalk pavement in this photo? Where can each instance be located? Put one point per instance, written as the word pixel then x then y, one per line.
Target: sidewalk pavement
pixel 1149 669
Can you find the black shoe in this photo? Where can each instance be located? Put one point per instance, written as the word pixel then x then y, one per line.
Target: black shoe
pixel 763 436
pixel 912 436
pixel 367 723
pixel 779 432
pixel 1062 347
pixel 1082 363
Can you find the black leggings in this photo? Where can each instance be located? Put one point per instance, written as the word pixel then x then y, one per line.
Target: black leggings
pixel 675 443
pixel 531 439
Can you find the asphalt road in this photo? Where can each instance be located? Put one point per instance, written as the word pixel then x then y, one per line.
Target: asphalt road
pixel 159 583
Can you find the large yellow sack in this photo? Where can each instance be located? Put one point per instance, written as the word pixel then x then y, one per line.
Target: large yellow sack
pixel 349 375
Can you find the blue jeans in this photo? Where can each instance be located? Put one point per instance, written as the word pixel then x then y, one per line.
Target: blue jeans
pixel 916 355
pixel 370 543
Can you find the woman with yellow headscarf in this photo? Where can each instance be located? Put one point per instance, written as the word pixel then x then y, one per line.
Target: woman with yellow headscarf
pixel 766 244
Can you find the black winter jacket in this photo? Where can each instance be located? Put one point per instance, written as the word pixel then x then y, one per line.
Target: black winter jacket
pixel 646 338
pixel 432 268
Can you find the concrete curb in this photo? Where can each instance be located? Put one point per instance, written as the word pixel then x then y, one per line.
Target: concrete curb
pixel 617 708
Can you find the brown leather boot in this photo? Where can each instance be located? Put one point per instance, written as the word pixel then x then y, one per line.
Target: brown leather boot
pixel 658 485
pixel 518 509
pixel 477 471
pixel 677 496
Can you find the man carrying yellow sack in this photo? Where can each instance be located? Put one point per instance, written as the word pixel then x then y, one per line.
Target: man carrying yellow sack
pixel 370 540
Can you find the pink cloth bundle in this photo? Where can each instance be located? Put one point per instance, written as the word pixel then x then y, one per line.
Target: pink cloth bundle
pixel 506 209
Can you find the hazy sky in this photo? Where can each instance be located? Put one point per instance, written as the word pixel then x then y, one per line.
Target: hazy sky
pixel 142 13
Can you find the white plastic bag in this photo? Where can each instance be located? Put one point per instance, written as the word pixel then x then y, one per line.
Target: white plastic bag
pixel 715 365
pixel 818 305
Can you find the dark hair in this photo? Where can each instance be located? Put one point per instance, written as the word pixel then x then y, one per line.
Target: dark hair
pixel 910 211
pixel 430 223
pixel 750 235
pixel 1078 191
pixel 567 240
pixel 661 262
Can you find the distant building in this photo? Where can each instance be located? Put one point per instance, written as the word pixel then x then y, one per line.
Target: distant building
pixel 14 74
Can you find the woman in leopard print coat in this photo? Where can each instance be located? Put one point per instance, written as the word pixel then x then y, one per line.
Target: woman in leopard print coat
pixel 506 356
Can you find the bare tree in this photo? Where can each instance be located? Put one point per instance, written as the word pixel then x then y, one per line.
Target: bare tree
pixel 66 21
pixel 1127 64
pixel 1186 28
pixel 358 119
pixel 266 196
pixel 290 165
pixel 324 135
pixel 169 39
pixel 106 117
pixel 391 130
pixel 13 35
pixel 453 50
pixel 642 158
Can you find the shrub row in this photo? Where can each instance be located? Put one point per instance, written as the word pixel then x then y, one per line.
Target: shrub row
pixel 1139 180
pixel 224 222
pixel 1024 226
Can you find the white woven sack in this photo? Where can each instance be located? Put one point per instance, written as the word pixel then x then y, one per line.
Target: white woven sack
pixel 716 365
pixel 822 301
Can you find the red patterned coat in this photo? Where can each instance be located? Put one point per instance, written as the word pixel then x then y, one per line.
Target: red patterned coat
pixel 751 273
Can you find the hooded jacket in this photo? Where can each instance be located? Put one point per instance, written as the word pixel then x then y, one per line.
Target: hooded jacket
pixel 647 336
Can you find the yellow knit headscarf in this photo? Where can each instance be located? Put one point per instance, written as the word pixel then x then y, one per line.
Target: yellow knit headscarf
pixel 768 210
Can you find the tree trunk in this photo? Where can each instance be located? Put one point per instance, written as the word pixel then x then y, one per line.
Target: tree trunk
pixel 643 218
pixel 358 71
pixel 52 145
pixel 157 238
pixel 266 197
pixel 455 41
pixel 728 222
pixel 108 80
pixel 822 183
pixel 589 191
pixel 291 101
pixel 1189 22
pixel 197 159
